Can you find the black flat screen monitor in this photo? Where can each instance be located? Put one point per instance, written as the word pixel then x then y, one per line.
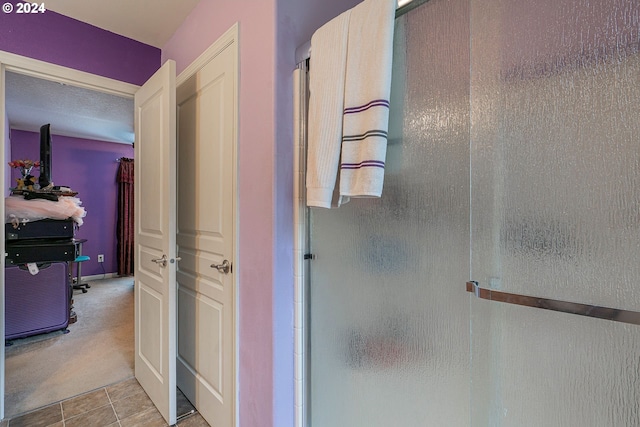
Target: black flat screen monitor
pixel 45 156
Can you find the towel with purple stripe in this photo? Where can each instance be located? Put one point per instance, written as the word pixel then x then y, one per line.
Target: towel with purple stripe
pixel 367 90
pixel 351 59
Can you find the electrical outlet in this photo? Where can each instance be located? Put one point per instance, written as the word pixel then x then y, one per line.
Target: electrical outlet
pixel 101 258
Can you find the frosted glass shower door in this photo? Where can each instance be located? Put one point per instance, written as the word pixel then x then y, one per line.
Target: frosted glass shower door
pixel 555 210
pixel 389 321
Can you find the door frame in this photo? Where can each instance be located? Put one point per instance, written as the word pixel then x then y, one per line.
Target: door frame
pixel 57 73
pixel 230 37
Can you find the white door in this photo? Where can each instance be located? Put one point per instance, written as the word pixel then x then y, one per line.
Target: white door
pixel 206 236
pixel 155 225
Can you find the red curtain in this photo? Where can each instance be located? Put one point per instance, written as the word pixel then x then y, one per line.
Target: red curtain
pixel 125 217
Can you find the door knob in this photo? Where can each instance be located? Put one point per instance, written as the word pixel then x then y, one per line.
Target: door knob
pixel 223 268
pixel 161 261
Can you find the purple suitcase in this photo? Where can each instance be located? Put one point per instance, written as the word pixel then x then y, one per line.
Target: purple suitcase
pixel 35 304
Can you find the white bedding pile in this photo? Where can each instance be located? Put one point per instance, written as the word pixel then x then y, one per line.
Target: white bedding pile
pixel 19 210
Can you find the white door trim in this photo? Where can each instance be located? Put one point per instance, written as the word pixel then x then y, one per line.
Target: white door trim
pixel 45 70
pixel 3 161
pixel 57 73
pixel 231 36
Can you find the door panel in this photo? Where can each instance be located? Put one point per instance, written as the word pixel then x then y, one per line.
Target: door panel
pixel 155 195
pixel 554 161
pixel 206 237
pixel 209 311
pixel 150 337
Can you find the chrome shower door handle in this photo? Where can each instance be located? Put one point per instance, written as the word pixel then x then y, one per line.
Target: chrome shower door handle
pixel 223 268
pixel 161 261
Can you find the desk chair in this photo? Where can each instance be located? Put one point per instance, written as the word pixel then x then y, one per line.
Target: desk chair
pixel 79 285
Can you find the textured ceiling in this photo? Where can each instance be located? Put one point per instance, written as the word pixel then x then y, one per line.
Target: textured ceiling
pixel 72 111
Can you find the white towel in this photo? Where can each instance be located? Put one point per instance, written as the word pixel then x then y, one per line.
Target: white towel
pixel 349 85
pixel 326 102
pixel 366 98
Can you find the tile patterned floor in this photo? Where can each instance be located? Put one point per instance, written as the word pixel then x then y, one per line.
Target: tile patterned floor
pixel 124 404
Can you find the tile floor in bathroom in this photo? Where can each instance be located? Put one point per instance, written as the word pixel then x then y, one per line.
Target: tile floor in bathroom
pixel 124 404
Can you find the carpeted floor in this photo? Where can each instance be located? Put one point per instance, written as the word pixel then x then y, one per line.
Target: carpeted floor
pixel 98 351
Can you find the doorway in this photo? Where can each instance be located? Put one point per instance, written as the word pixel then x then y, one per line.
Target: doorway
pixel 39 374
pixel 215 271
pixel 512 161
pixel 10 63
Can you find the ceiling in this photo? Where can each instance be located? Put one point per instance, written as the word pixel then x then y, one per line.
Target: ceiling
pixel 78 112
pixel 71 110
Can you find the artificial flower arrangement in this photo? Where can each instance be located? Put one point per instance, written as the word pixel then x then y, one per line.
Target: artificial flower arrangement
pixel 27 180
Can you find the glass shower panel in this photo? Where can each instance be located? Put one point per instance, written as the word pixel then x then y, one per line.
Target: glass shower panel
pixel 555 209
pixel 389 317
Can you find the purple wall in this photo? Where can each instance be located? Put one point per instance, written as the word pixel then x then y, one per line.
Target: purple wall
pixel 88 167
pixel 270 31
pixel 57 39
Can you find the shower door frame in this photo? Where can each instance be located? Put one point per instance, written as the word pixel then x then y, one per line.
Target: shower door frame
pixel 301 245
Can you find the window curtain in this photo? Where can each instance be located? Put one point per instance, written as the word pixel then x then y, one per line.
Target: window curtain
pixel 125 217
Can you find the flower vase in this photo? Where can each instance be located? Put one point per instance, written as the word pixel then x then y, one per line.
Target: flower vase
pixel 29 181
pixel 25 171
